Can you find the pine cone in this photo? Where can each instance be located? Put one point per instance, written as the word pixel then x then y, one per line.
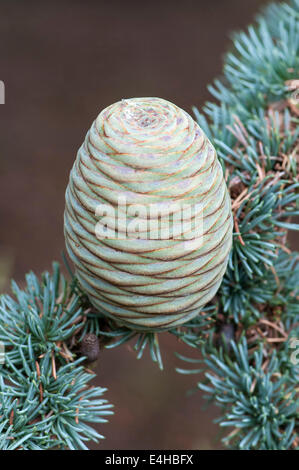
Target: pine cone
pixel 90 347
pixel 148 152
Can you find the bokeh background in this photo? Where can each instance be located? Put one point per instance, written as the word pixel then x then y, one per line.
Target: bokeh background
pixel 62 62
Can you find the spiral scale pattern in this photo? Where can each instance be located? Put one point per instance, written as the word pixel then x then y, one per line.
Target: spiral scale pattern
pixel 150 152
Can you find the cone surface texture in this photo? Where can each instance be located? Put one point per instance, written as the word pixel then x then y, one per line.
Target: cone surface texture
pixel 150 153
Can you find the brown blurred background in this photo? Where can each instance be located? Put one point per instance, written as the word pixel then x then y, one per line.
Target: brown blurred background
pixel 62 62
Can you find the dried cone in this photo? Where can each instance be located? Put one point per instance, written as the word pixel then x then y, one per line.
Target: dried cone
pixel 148 151
pixel 90 347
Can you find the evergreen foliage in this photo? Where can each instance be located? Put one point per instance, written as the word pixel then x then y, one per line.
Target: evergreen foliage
pixel 250 373
pixel 44 391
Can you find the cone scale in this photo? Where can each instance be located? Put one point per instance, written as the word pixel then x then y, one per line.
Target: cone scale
pixel 150 153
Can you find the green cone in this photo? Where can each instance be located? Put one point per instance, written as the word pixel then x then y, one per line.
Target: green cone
pixel 148 220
